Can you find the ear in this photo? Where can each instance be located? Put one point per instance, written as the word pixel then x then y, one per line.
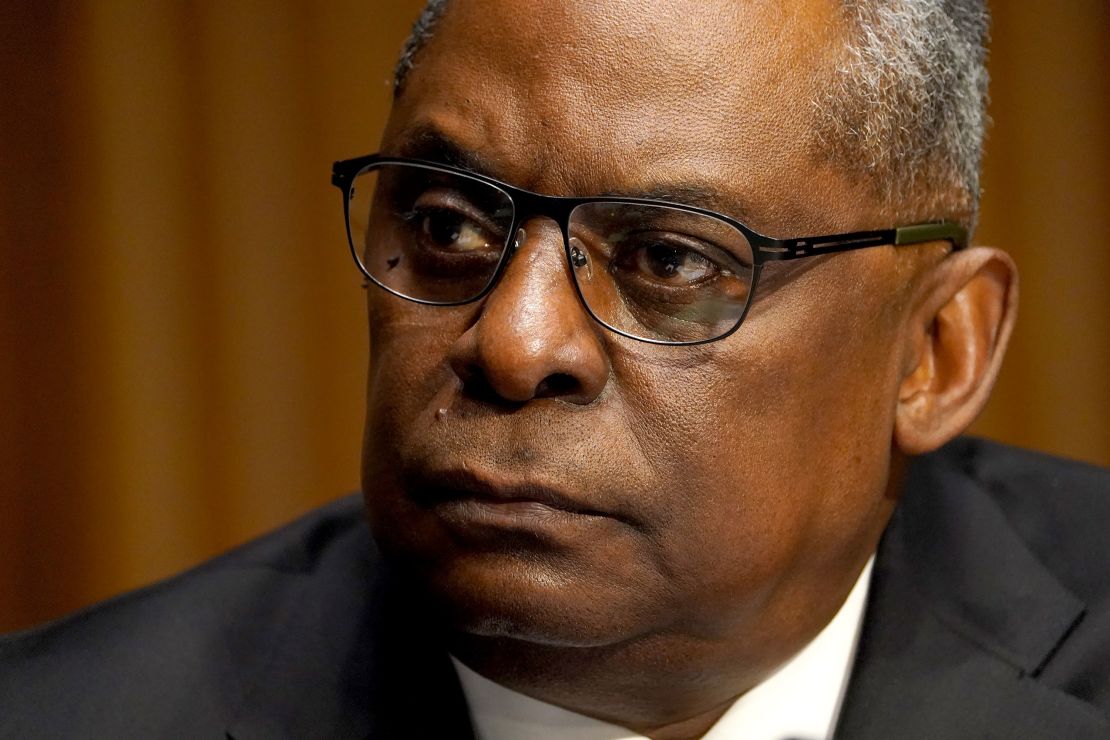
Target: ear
pixel 959 329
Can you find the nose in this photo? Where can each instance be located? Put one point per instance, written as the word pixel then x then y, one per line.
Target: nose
pixel 532 337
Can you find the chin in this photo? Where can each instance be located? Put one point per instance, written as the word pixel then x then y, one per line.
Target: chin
pixel 529 600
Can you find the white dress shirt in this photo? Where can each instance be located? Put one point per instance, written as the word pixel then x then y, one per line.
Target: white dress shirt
pixel 800 701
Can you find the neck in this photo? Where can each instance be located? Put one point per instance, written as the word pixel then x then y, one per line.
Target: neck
pixel 660 687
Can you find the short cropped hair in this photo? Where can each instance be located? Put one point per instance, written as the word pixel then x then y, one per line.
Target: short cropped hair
pixel 420 36
pixel 904 106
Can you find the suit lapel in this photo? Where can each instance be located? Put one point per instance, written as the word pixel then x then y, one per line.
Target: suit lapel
pixel 350 660
pixel 960 622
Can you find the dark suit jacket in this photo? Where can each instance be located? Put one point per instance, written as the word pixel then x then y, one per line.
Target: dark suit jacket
pixel 989 617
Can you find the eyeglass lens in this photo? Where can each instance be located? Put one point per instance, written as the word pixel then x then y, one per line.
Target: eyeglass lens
pixel 651 271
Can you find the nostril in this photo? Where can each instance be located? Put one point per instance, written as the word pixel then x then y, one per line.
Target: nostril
pixel 477 387
pixel 558 385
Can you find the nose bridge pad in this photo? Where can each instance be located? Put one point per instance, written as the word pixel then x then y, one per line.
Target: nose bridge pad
pixel 534 228
pixel 580 258
pixel 581 264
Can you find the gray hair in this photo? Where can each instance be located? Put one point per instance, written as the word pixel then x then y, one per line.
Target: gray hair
pixel 906 105
pixel 904 108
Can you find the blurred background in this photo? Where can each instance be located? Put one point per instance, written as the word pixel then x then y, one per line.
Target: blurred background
pixel 182 344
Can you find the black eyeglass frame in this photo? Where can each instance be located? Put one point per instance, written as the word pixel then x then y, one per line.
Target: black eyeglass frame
pixel 527 204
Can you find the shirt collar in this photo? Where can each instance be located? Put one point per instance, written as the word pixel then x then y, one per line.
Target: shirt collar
pixel 801 700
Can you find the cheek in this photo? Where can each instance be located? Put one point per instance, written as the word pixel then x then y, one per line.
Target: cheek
pixel 774 444
pixel 704 434
pixel 408 350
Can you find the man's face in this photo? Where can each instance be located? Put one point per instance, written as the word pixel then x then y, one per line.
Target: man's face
pixel 724 494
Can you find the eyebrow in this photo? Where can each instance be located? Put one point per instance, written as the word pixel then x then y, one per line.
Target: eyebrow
pixel 697 194
pixel 427 142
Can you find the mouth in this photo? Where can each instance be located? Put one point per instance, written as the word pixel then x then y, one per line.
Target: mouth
pixel 467 501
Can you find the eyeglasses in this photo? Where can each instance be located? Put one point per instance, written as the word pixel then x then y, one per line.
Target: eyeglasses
pixel 659 272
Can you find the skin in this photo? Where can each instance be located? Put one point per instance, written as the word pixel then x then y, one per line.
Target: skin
pixel 728 495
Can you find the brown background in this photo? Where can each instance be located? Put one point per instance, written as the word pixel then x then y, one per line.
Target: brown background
pixel 181 331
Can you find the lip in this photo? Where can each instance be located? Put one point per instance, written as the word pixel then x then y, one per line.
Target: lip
pixel 477 519
pixel 466 496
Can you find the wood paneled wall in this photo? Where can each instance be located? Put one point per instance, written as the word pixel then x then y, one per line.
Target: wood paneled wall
pixel 1047 200
pixel 181 333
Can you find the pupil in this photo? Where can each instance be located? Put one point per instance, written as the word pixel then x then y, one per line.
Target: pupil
pixel 665 260
pixel 443 231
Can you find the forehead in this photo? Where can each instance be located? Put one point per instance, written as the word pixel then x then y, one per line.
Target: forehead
pixel 576 96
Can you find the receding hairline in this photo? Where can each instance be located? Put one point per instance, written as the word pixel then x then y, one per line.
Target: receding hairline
pixel 422 31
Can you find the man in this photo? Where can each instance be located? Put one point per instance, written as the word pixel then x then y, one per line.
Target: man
pixel 671 308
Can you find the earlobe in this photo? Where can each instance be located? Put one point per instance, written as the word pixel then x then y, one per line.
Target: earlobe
pixel 959 333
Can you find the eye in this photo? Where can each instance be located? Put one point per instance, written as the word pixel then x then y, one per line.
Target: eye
pixel 452 231
pixel 668 263
pixel 448 220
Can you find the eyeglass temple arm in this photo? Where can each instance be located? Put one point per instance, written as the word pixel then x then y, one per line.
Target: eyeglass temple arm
pixel 789 249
